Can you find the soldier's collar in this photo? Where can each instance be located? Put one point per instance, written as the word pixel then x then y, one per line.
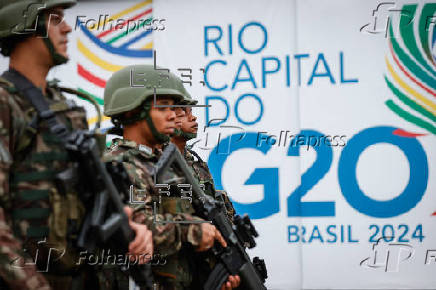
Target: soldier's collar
pixel 144 148
pixel 133 145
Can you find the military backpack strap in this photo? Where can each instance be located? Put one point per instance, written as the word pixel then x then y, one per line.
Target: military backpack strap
pixel 36 98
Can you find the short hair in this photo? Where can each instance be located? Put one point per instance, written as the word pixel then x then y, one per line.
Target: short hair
pixel 8 44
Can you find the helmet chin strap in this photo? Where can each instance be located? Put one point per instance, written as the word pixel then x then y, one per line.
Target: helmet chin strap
pixel 160 138
pixel 188 136
pixel 177 132
pixel 145 114
pixel 183 134
pixel 57 58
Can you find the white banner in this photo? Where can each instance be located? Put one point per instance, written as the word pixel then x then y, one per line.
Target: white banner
pixel 348 203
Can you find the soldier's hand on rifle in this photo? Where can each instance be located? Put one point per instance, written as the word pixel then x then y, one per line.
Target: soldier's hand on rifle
pixel 209 234
pixel 142 246
pixel 232 282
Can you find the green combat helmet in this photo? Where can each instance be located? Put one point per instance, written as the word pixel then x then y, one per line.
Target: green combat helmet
pixel 19 19
pixel 134 86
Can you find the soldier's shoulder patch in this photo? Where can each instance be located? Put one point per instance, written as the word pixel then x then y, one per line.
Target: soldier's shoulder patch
pixel 114 153
pixel 125 143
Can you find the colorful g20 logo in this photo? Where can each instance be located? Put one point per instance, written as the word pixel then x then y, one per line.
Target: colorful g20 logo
pixel 353 194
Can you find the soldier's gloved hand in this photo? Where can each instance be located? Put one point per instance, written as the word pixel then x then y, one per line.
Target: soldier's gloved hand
pixel 209 235
pixel 141 248
pixel 232 282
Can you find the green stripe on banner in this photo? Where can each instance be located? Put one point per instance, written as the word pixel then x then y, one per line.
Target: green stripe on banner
pixel 409 117
pixel 424 26
pixel 125 33
pixel 409 36
pixel 97 99
pixel 409 63
pixel 412 104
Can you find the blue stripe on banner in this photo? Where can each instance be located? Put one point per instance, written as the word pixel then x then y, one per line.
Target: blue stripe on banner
pixel 121 50
pixel 434 43
pixel 135 39
pixel 434 35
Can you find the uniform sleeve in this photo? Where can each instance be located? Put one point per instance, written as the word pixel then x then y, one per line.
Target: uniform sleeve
pixel 167 237
pixel 16 270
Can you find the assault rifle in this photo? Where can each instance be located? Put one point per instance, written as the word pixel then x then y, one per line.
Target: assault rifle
pixel 232 260
pixel 106 224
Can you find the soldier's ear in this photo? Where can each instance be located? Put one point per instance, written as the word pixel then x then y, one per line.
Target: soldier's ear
pixel 131 113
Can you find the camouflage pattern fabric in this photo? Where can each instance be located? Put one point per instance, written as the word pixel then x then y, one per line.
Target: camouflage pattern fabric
pixel 203 174
pixel 173 241
pixel 37 214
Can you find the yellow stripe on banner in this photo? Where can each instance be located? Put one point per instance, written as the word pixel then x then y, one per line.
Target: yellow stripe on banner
pixel 148 45
pixel 118 15
pixel 430 105
pixel 94 119
pixel 97 60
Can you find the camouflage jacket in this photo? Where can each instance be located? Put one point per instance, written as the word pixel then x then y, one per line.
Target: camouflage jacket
pixel 37 214
pixel 174 241
pixel 203 174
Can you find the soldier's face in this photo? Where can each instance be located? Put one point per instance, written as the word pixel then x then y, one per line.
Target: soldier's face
pixel 180 114
pixel 164 118
pixel 189 122
pixel 58 30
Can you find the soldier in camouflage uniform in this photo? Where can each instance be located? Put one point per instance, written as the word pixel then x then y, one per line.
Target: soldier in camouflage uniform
pixel 146 127
pixel 39 215
pixel 187 131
